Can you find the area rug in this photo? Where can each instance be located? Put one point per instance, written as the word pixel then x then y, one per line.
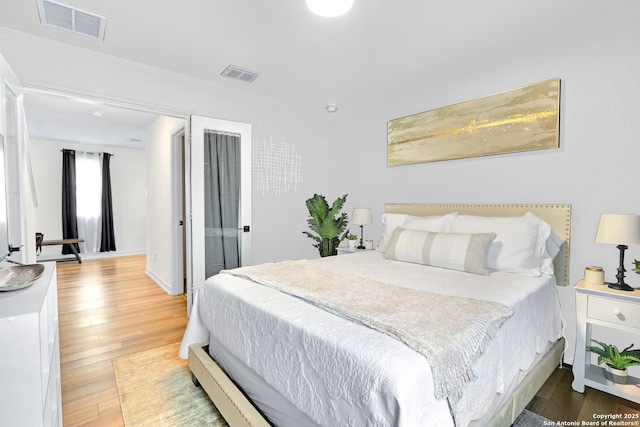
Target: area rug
pixel 155 389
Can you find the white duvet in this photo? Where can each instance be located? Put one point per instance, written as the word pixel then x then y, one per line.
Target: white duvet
pixel 344 374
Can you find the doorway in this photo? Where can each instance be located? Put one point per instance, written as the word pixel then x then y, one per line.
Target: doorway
pixel 77 122
pixel 173 253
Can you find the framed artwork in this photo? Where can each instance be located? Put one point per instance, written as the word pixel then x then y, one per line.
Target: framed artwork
pixel 518 120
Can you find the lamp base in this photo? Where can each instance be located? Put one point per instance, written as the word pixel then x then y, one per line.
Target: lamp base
pixel 620 286
pixel 361 237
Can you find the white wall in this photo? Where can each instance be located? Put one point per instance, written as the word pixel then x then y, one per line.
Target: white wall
pixel 596 169
pixel 158 140
pixel 127 185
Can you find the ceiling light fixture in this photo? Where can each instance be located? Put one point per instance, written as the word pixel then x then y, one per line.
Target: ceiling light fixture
pixel 329 8
pixel 97 113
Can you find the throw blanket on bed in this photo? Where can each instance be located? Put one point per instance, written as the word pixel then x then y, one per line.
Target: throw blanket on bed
pixel 451 332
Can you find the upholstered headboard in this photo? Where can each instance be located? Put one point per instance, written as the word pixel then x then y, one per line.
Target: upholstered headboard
pixel 557 216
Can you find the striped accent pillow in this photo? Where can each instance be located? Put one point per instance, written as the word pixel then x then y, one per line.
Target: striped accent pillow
pixel 462 252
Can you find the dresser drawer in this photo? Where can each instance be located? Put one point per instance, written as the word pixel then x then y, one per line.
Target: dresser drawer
pixel 614 311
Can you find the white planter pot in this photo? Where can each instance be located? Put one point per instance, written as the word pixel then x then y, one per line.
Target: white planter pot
pixel 615 375
pixel 352 244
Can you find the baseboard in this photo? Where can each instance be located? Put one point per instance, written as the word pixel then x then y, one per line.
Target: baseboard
pixel 164 285
pixel 45 257
pixel 114 254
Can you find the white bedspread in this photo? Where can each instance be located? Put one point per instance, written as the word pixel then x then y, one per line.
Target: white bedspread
pixel 341 373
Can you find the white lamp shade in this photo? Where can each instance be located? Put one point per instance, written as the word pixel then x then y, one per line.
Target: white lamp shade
pixel 361 216
pixel 619 229
pixel 329 8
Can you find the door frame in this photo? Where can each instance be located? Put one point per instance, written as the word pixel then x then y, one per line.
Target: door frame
pixel 180 174
pixel 14 173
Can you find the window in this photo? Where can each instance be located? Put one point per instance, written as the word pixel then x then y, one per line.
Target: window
pixel 89 199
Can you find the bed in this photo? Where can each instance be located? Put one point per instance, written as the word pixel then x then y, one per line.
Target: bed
pixel 301 365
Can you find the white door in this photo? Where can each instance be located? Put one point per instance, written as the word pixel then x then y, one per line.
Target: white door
pixel 200 231
pixel 13 223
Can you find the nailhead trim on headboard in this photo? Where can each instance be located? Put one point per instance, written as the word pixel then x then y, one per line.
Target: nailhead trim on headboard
pixel 558 216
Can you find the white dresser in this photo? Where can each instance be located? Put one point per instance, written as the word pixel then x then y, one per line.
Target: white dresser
pixel 30 354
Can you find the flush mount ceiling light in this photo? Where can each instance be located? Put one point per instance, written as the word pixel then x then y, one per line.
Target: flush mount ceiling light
pixel 329 8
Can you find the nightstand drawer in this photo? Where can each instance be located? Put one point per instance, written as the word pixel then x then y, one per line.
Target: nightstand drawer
pixel 614 311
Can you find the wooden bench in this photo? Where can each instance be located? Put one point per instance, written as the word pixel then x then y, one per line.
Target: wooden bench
pixel 65 242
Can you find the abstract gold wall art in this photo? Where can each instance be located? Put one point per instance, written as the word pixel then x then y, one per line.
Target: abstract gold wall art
pixel 518 120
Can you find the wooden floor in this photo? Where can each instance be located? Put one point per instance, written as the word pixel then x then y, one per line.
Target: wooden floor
pixel 107 309
pixel 557 401
pixel 110 308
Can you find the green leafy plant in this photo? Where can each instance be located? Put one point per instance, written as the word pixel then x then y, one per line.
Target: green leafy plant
pixel 636 266
pixel 352 237
pixel 616 359
pixel 328 223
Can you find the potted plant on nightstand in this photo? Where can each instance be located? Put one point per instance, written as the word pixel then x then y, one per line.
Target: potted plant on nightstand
pixel 616 362
pixel 352 241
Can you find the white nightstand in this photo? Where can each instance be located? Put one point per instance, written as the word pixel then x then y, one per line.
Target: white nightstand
pixel 347 250
pixel 600 305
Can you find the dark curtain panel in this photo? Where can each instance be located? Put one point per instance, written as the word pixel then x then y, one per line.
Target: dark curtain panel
pixel 108 240
pixel 222 202
pixel 69 212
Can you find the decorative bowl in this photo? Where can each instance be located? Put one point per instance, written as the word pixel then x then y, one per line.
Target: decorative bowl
pixel 19 276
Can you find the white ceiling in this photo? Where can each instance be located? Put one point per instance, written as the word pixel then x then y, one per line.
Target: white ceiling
pixel 308 59
pixel 71 119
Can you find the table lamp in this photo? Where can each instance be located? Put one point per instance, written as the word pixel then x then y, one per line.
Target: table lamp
pixel 361 217
pixel 621 230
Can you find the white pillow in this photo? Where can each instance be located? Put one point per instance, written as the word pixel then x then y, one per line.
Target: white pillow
pixel 462 252
pixel 519 244
pixel 390 221
pixel 551 249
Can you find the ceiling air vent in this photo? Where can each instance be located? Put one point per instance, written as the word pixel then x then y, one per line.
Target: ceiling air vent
pixel 68 18
pixel 238 73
